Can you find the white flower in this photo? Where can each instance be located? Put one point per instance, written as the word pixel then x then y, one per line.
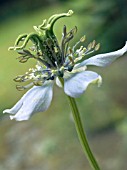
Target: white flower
pixel 38 98
pixel 56 61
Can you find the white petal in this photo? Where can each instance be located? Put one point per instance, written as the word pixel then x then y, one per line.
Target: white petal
pixel 58 83
pixel 103 60
pixel 76 84
pixel 15 108
pixel 37 99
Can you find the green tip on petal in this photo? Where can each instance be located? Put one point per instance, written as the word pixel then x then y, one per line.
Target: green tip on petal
pixel 98 81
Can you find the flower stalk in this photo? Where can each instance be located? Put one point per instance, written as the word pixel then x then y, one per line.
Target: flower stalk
pixel 82 135
pixel 81 132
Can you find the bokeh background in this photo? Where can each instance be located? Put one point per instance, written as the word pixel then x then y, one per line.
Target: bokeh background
pixel 48 140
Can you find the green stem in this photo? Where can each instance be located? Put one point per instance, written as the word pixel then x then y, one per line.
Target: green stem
pixel 81 133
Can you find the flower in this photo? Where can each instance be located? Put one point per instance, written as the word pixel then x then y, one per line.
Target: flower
pixel 55 62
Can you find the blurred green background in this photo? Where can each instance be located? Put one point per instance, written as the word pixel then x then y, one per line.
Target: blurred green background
pixel 48 141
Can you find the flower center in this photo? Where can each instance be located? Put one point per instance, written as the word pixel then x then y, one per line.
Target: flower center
pixel 53 58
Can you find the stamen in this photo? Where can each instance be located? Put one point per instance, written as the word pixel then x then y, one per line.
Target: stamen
pixel 82 39
pixel 89 46
pixel 57 65
pixel 71 60
pixel 63 43
pixel 51 47
pixel 93 43
pixel 21 88
pixel 97 47
pixel 21 79
pixel 66 37
pixel 38 83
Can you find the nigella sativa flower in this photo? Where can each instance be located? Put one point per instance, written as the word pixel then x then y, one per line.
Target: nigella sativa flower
pixel 55 61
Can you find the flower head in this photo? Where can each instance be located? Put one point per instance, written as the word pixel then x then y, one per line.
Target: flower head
pixel 55 61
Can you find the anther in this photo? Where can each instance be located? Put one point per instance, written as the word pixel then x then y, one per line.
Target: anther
pixel 60 73
pixel 82 39
pixel 70 68
pixel 93 43
pixel 97 47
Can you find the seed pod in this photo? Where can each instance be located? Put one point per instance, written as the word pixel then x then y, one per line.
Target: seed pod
pixel 49 42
